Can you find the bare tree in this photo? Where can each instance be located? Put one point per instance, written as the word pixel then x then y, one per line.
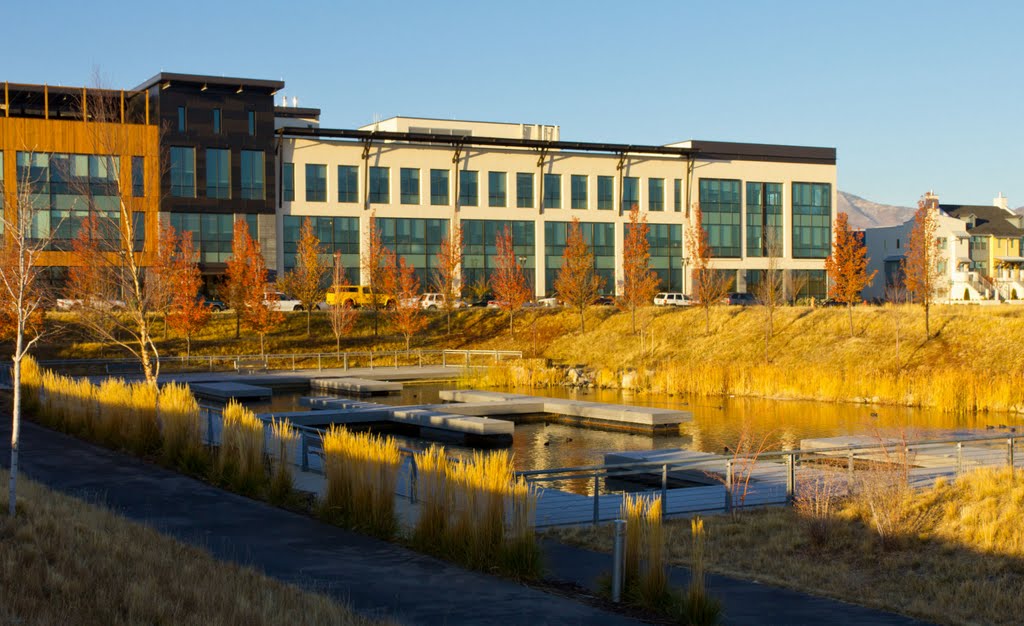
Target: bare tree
pixel 770 289
pixel 341 314
pixel 709 285
pixel 921 262
pixel 22 294
pixel 105 250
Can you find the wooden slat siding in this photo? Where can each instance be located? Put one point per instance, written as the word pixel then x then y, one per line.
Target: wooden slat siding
pixel 19 134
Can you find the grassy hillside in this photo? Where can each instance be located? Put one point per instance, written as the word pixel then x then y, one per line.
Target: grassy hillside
pixel 973 361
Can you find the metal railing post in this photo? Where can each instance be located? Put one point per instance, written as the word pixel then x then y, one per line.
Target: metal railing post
pixel 371 360
pixel 618 560
pixel 319 362
pixel 346 360
pixel 467 358
pixel 413 479
pixel 849 472
pixel 664 490
pixel 293 362
pixel 728 486
pixel 959 458
pixel 211 363
pixel 421 358
pixel 597 498
pixel 1009 452
pixel 790 477
pixel 495 357
pixel 396 359
pixel 304 446
pixel 444 358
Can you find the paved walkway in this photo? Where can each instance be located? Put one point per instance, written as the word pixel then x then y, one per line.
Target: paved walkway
pixel 375 577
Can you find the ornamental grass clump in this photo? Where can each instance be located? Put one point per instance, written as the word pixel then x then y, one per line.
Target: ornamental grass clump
pixel 179 424
pixel 696 606
pixel 283 438
pixel 241 449
pixel 362 473
pixel 646 581
pixel 142 432
pixel 435 500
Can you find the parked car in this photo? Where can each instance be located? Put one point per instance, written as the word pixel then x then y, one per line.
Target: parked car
pixel 482 301
pixel 67 304
pixel 603 301
pixel 284 302
pixel 672 298
pixel 433 301
pixel 740 299
pixel 356 296
pixel 549 302
pixel 215 305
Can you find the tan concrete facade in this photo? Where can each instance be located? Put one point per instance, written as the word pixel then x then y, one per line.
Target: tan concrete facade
pixel 512 160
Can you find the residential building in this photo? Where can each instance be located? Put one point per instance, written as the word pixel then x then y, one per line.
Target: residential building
pixel 980 252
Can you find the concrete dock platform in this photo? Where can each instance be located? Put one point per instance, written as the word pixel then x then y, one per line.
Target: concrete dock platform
pixel 359 386
pixel 618 417
pixel 224 391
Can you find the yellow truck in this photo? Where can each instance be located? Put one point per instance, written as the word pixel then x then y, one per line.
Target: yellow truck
pixel 356 296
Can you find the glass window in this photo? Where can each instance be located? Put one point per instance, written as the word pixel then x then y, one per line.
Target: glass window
pixel 605 193
pixel 183 172
pixel 630 192
pixel 336 235
pixel 677 195
pixel 666 249
pixel 720 210
pixel 416 240
pixel 578 191
pixel 552 191
pixel 138 176
pixel 599 236
pixel 439 187
pixel 182 120
pixel 253 166
pixel 655 194
pixel 469 188
pixel 479 253
pixel 252 122
pixel 409 181
pixel 211 233
pixel 216 121
pixel 348 183
pixel 138 231
pixel 218 173
pixel 764 219
pixel 524 190
pixel 496 191
pixel 316 182
pixel 812 220
pixel 288 181
pixel 380 185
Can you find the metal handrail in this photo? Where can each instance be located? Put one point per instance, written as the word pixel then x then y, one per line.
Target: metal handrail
pixel 612 469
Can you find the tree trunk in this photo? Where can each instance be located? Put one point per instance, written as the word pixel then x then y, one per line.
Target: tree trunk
pixel 510 330
pixel 632 313
pixel 448 315
pixel 707 320
pixel 309 313
pixel 15 433
pixel 337 344
pixel 927 322
pixel 263 352
pixel 583 326
pixel 849 308
pixel 238 324
pixel 188 347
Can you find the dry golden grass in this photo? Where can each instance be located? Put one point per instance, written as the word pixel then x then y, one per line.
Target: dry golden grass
pixel 179 421
pixel 63 561
pixel 241 448
pixel 283 437
pixel 965 565
pixel 362 472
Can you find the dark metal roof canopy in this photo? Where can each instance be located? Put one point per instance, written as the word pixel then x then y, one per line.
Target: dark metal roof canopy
pixel 705 150
pixel 200 80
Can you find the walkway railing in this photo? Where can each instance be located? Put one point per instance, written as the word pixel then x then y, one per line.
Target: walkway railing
pixel 593 494
pixel 293 362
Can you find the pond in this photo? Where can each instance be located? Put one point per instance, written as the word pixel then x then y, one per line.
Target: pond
pixel 717 423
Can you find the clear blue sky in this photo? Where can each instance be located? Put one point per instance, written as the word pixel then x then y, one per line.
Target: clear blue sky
pixel 914 95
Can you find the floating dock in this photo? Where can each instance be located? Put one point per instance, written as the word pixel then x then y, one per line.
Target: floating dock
pixel 224 391
pixel 358 386
pixel 617 417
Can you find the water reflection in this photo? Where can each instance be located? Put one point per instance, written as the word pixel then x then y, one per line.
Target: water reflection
pixel 717 423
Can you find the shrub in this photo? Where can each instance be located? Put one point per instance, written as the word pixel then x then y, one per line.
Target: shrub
pixel 283 438
pixel 362 472
pixel 179 422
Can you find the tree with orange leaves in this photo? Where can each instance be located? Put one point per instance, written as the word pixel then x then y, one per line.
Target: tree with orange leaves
pixel 639 282
pixel 260 312
pixel 375 268
pixel 160 275
pixel 921 261
pixel 576 284
pixel 447 277
pixel 709 285
pixel 508 280
pixel 188 313
pixel 847 266
pixel 341 314
pixel 305 282
pixel 404 286
pixel 236 274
